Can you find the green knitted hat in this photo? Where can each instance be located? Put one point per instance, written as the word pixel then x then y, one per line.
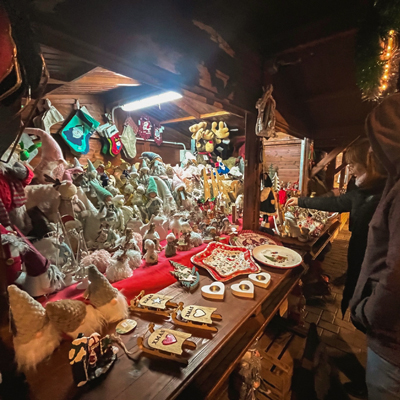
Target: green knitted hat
pixel 152 186
pixel 90 166
pixel 101 192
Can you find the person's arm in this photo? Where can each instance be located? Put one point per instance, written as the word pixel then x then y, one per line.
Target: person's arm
pixel 381 309
pixel 333 204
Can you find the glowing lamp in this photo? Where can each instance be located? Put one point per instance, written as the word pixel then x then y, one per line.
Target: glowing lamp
pixel 152 101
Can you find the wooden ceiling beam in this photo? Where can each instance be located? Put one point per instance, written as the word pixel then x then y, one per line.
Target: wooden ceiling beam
pixel 183 105
pixel 191 118
pixel 331 156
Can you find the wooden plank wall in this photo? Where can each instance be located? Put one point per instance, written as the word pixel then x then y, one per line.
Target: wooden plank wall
pixel 96 107
pixel 283 152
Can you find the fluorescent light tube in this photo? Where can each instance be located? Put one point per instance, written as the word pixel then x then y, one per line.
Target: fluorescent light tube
pixel 151 101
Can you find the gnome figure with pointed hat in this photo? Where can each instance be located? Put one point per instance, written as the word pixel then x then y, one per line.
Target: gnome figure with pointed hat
pixel 34 337
pixel 109 301
pixel 39 276
pixel 73 317
pixel 144 173
pixel 154 204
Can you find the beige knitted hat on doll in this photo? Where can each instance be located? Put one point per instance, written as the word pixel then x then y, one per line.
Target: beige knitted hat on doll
pixel 66 315
pixel 100 291
pixel 28 315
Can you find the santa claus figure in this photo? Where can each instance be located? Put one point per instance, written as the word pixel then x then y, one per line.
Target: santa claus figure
pixel 14 176
pixel 26 267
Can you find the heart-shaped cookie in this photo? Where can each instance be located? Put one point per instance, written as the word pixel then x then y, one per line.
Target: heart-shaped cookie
pixel 169 339
pixel 243 289
pixel 215 291
pixel 199 313
pixel 263 279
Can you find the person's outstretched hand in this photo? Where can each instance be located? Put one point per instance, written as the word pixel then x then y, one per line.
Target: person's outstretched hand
pixel 293 201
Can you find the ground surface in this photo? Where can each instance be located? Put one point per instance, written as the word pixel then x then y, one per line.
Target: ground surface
pixel 345 344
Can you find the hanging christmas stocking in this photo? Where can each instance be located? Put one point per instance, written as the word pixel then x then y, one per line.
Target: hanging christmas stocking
pixel 129 121
pixel 50 117
pixel 128 139
pixel 158 131
pixel 77 132
pixel 144 128
pixel 114 140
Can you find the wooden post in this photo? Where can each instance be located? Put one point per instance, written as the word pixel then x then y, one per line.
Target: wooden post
pixel 252 180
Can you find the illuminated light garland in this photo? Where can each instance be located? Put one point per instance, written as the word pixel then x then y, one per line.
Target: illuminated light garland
pixel 390 58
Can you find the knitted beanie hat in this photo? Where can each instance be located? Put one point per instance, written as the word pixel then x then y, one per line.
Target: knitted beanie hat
pixel 90 166
pixel 100 291
pixel 66 315
pixel 177 183
pixel 100 191
pixel 152 186
pixel 28 315
pixel 144 167
pixel 134 172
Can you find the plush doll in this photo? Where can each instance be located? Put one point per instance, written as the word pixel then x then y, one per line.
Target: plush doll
pixel 39 276
pixel 144 173
pixel 133 177
pixel 119 268
pixel 109 301
pixel 73 317
pixel 151 256
pixel 151 234
pixel 154 204
pixel 138 200
pixel 172 241
pixel 169 204
pixel 52 161
pixel 34 337
pixel 176 226
pixel 14 176
pixel 196 239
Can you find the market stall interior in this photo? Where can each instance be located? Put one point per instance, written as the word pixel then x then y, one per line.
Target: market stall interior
pixel 149 213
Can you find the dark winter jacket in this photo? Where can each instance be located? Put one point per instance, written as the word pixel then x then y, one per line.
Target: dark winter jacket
pixel 375 305
pixel 361 204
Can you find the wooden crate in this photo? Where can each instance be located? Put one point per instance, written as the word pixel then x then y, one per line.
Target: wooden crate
pixel 279 349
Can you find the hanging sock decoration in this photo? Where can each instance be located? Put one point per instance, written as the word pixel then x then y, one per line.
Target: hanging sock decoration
pixel 128 139
pixel 50 117
pixel 158 131
pixel 129 121
pixel 114 140
pixel 145 127
pixel 78 131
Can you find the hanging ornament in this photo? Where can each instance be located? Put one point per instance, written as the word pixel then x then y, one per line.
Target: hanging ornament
pixel 145 127
pixel 158 131
pixel 130 122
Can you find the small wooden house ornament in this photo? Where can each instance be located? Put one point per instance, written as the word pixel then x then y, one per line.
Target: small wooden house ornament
pixel 215 291
pixel 152 303
pixel 166 343
pixel 198 317
pixel 189 278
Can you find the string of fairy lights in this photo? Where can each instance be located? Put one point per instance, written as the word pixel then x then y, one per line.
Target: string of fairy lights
pixel 390 71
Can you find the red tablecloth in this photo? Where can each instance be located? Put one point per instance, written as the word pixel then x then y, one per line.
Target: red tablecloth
pixel 150 278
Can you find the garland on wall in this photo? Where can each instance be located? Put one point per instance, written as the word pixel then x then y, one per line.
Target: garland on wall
pixel 377 53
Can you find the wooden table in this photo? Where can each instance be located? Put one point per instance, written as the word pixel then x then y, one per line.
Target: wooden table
pixel 209 365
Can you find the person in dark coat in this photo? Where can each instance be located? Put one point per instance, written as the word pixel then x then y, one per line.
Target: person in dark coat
pixel 375 306
pixel 360 202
